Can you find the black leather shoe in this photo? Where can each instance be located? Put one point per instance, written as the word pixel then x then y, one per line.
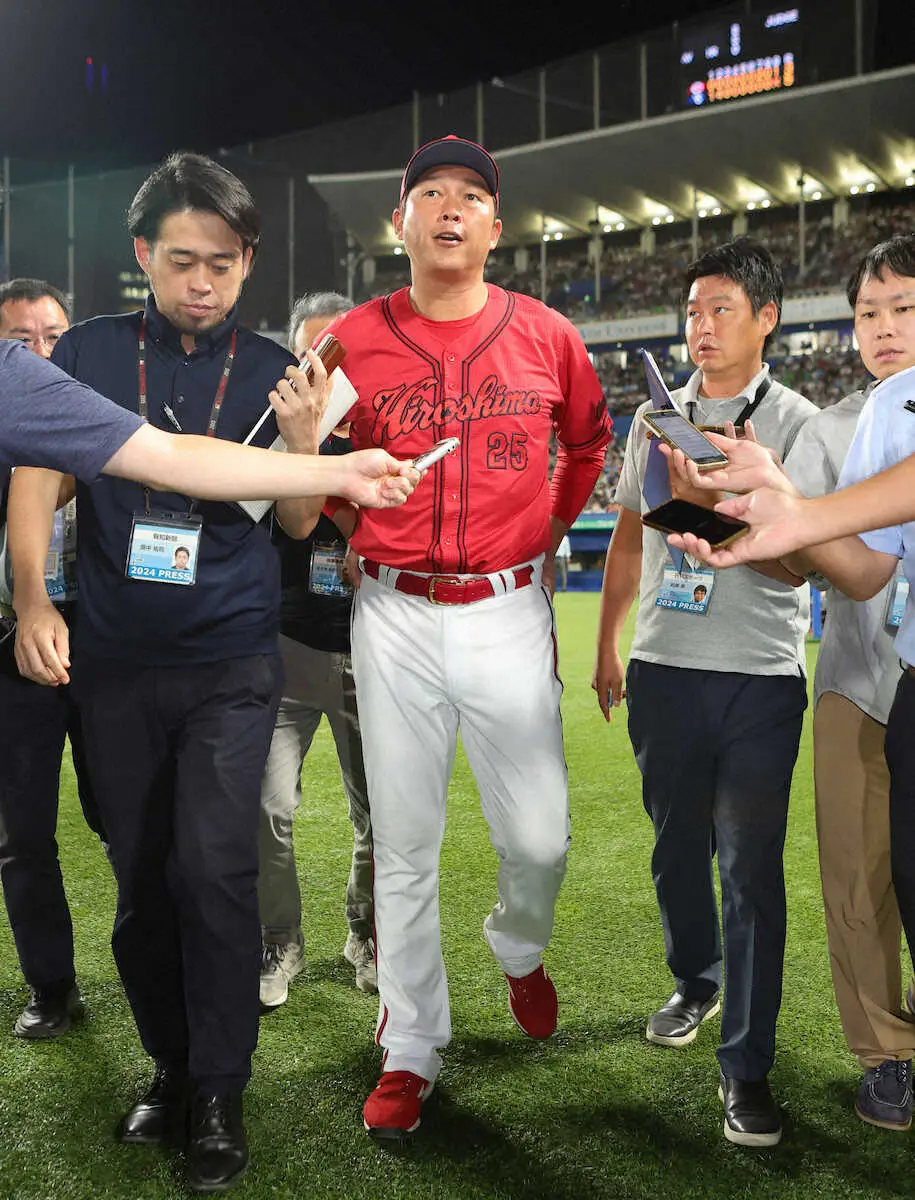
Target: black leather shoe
pixel 50 1012
pixel 677 1023
pixel 161 1114
pixel 751 1116
pixel 217 1153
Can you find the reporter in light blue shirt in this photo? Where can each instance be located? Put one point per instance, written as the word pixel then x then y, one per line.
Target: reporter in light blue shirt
pixel 883 292
pixel 884 437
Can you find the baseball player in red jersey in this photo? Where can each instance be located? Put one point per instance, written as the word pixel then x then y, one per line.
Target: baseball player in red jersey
pixel 452 626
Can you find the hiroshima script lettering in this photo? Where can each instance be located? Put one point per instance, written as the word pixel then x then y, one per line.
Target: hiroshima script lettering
pixel 417 406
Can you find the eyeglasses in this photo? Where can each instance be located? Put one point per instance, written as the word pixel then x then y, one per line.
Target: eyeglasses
pixel 48 341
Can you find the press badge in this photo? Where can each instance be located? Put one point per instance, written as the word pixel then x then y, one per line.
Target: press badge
pixel 163 547
pixel 686 591
pixel 326 575
pixel 60 564
pixel 896 602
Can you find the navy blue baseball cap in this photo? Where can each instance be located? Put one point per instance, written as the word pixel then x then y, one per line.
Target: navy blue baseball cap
pixel 452 151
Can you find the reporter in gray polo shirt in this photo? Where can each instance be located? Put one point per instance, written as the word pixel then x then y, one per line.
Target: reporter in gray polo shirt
pixel 716 695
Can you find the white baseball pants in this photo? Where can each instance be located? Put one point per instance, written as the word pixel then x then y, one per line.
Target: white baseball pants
pixel 423 671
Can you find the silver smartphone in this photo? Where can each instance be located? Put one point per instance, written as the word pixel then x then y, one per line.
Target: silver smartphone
pixel 446 446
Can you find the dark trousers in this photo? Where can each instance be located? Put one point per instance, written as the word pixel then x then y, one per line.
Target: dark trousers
pixel 35 722
pixel 900 758
pixel 177 756
pixel 716 751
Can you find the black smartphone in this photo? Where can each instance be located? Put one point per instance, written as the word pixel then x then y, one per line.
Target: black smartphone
pixel 683 435
pixel 682 516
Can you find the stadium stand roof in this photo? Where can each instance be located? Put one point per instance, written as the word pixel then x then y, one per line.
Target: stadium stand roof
pixel 825 131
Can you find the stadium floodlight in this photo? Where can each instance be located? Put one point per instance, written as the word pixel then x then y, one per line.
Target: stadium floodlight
pixel 812 188
pixel 752 195
pixel 659 214
pixel 858 177
pixel 610 219
pixel 706 205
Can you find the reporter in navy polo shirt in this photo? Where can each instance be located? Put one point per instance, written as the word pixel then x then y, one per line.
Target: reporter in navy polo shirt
pixel 179 678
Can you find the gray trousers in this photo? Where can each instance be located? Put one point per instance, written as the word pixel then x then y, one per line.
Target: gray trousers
pixel 317 683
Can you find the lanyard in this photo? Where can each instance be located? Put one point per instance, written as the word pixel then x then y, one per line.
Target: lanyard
pixel 142 407
pixel 748 409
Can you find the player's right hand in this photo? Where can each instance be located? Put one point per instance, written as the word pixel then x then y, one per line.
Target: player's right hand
pixel 609 680
pixel 42 644
pixel 375 479
pixel 352 572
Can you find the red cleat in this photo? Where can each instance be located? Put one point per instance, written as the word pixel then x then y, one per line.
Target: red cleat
pixel 394 1109
pixel 532 1002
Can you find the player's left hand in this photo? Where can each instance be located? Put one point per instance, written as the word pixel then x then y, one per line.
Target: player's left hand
pixel 375 479
pixel 299 406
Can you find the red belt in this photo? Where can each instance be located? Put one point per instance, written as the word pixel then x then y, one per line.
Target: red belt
pixel 449 589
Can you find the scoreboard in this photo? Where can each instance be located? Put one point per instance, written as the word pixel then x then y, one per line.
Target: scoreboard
pixel 737 55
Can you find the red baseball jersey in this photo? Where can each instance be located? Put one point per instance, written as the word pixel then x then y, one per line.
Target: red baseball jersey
pixel 499 381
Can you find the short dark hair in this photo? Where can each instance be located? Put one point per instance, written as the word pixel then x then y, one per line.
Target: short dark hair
pixel 748 263
pixel 314 304
pixel 897 254
pixel 32 290
pixel 187 182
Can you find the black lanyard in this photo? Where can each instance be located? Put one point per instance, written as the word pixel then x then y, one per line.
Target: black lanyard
pixel 142 404
pixel 748 409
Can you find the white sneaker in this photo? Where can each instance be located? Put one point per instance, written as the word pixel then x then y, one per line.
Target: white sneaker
pixel 360 953
pixel 281 963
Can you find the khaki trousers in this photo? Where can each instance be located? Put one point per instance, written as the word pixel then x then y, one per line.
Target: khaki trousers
pixel 862 920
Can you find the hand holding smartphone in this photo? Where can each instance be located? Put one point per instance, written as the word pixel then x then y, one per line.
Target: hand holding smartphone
pixel 674 429
pixel 682 516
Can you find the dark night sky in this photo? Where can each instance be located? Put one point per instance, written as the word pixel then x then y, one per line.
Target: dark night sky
pixel 201 74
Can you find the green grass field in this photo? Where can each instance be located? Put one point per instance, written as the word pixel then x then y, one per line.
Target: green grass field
pixel 594 1112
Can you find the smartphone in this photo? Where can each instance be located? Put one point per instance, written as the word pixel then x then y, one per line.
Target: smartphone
pixel 739 430
pixel 331 352
pixel 682 516
pixel 447 446
pixel 674 429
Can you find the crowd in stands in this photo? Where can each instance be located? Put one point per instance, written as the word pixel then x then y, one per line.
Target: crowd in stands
pixel 634 282
pixel 824 375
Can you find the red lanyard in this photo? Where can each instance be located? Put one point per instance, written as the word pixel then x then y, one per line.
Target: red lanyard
pixel 142 407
